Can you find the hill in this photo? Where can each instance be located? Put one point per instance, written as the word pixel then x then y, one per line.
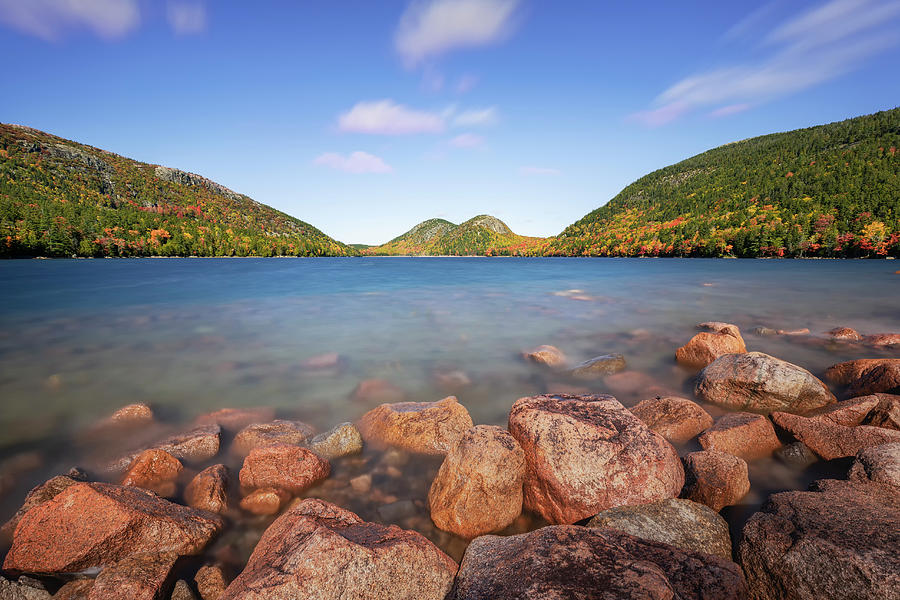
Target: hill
pixel 62 198
pixel 483 235
pixel 826 191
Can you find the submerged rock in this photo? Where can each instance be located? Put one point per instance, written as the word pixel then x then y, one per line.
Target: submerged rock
pixel 585 454
pixel 880 464
pixel 208 490
pixel 844 334
pixel 154 470
pixel 342 440
pixel 289 468
pixel 130 416
pixel 550 356
pixel 193 446
pixel 883 339
pixel 839 540
pixel 277 432
pixel 705 347
pixel 319 551
pixel 747 435
pixel 676 419
pixel 761 383
pixel 135 577
pixel 422 427
pixel 478 488
pixel 233 420
pixel 830 441
pixel 378 390
pixel 716 479
pixel 265 501
pixel 599 367
pixel 568 561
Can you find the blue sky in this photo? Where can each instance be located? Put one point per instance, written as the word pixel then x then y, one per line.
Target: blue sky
pixel 364 118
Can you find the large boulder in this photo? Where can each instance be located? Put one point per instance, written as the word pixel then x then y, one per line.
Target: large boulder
pixel 208 490
pixel 878 463
pixel 838 541
pixel 478 488
pixel 830 441
pixel 848 413
pixel 95 524
pixel 846 373
pixel 568 561
pixel 38 495
pixel 681 523
pixel 760 383
pixel 289 468
pixel 886 413
pixel 260 435
pixel 747 435
pixel 883 378
pixel 422 427
pixel 707 346
pixel 585 454
pixel 716 479
pixel 320 551
pixel 136 577
pixel 676 419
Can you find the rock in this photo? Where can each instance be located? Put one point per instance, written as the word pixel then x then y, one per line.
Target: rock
pixel 328 363
pixel 715 326
pixel 838 541
pixel 585 454
pixel 377 390
pixel 422 427
pixel 478 488
pixel 208 490
pixel 761 383
pixel 396 511
pixel 154 470
pixel 136 577
pixel 764 331
pixel 550 356
pixel 317 550
pixel 878 463
pixel 568 561
pixel 130 416
pixel 716 479
pixel 747 435
pixel 265 501
pixel 634 383
pixel 270 434
pixel 197 445
pixel 96 524
pixel 848 413
pixel 883 339
pixel 343 440
pixel 789 332
pixel 844 334
pixel 883 378
pixel 361 484
pixel 452 380
pixel 233 420
pixel 78 589
pixel 676 419
pixel 11 590
pixel 846 373
pixel 886 413
pixel 681 523
pixel 289 468
pixel 599 367
pixel 38 495
pixel 705 347
pixel 182 591
pixel 210 582
pixel 830 441
pixel 796 455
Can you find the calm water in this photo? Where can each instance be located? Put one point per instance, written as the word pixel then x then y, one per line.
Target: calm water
pixel 81 338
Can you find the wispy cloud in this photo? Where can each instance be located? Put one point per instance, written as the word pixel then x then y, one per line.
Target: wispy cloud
pixel 186 17
pixel 433 27
pixel 355 162
pixel 539 171
pixel 809 49
pixel 731 109
pixel 476 117
pixel 467 140
pixel 51 19
pixel 386 117
pixel 466 83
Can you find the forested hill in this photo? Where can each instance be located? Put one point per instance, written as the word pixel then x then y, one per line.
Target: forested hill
pixel 483 235
pixel 61 198
pixel 831 190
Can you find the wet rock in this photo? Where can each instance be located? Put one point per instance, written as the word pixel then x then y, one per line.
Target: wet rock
pixel 676 419
pixel 396 511
pixel 378 390
pixel 681 523
pixel 197 445
pixel 478 488
pixel 343 440
pixel 317 550
pixel 277 432
pixel 210 582
pixel 716 479
pixel 154 470
pixel 883 339
pixel 848 413
pixel 761 383
pixel 886 413
pixel 764 331
pixel 844 334
pixel 289 468
pixel 136 577
pixel 38 495
pixel 705 347
pixel 599 367
pixel 130 416
pixel 95 524
pixel 796 455
pixel 830 441
pixel 883 378
pixel 878 463
pixel 78 589
pixel 568 561
pixel 550 356
pixel 265 501
pixel 839 540
pixel 790 332
pixel 585 454
pixel 422 427
pixel 715 326
pixel 182 591
pixel 747 435
pixel 847 372
pixel 11 590
pixel 208 490
pixel 233 420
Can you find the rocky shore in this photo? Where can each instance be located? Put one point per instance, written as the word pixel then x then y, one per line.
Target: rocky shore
pixel 577 496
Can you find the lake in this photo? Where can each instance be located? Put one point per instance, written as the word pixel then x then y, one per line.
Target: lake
pixel 81 338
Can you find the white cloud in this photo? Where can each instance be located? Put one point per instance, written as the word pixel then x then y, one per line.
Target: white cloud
pixel 186 17
pixel 731 109
pixel 810 49
pixel 431 28
pixel 386 117
pixel 539 171
pixel 50 19
pixel 467 140
pixel 476 117
pixel 355 162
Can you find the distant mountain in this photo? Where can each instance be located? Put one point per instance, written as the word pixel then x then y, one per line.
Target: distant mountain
pixel 831 190
pixel 62 198
pixel 479 236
